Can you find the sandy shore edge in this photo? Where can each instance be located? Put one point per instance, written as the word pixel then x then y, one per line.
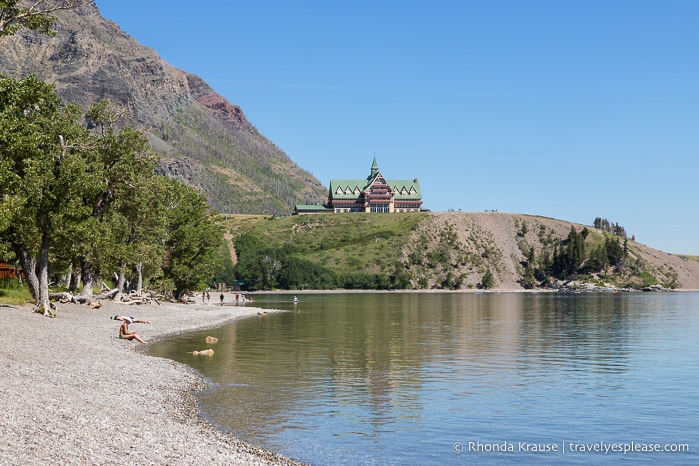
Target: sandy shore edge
pixel 73 393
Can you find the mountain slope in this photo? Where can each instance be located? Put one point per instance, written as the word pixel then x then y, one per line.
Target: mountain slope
pixel 452 250
pixel 498 241
pixel 204 140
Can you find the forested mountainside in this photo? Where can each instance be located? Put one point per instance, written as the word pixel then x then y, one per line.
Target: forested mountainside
pixel 203 139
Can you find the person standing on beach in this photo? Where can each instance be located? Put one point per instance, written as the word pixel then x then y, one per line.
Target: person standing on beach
pixel 124 332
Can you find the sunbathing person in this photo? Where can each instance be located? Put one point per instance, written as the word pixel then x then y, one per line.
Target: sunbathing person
pixel 133 319
pixel 124 332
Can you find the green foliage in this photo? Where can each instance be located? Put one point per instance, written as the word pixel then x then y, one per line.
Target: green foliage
pixel 647 279
pixel 452 281
pixel 599 260
pixel 13 18
pixel 356 251
pixel 351 251
pixel 570 256
pixel 297 273
pixel 72 198
pixel 193 237
pixel 45 161
pixel 615 253
pixel 11 292
pixel 606 225
pixel 225 270
pixel 126 212
pixel 529 277
pixel 346 244
pixel 524 229
pixel 400 278
pixel 488 280
pixel 365 281
pixel 266 268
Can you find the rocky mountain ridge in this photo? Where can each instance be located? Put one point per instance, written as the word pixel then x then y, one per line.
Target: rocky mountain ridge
pixel 203 139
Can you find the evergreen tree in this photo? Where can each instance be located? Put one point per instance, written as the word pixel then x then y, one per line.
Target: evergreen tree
pixel 545 264
pixel 528 279
pixel 615 253
pixel 598 259
pixel 488 280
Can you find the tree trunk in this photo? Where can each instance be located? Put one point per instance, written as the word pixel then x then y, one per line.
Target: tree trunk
pixel 139 282
pixel 69 280
pixel 29 266
pixel 120 281
pixel 76 282
pixel 88 279
pixel 44 271
pixel 37 275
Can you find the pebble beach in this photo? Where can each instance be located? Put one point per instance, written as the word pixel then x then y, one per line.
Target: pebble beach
pixel 72 392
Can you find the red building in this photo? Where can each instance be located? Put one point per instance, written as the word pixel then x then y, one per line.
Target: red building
pixel 8 271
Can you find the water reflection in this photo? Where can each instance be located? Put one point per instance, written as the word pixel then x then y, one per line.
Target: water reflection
pixel 368 377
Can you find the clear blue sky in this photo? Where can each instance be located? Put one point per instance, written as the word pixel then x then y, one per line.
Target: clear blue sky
pixel 565 109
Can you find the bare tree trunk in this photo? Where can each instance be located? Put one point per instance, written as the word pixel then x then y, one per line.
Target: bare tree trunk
pixel 120 281
pixel 139 281
pixel 67 279
pixel 44 274
pixel 88 279
pixel 38 275
pixel 77 282
pixel 29 266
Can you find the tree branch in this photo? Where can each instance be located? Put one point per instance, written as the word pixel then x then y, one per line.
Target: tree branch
pixel 36 16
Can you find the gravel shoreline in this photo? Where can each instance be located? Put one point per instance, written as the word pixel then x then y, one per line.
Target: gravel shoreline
pixel 71 392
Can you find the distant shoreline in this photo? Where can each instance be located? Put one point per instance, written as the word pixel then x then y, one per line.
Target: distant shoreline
pixel 468 291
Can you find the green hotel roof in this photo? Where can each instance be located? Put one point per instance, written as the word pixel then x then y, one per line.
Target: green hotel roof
pixel 401 188
pixel 311 208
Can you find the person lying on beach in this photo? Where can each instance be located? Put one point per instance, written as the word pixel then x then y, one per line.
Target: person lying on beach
pixel 133 319
pixel 124 332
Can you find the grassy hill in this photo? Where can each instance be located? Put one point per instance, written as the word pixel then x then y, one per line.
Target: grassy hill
pixel 340 242
pixel 454 250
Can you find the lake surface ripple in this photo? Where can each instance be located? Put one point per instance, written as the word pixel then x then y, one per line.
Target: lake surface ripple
pixel 458 378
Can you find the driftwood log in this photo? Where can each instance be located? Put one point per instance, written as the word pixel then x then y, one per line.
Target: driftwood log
pixel 94 301
pixel 68 297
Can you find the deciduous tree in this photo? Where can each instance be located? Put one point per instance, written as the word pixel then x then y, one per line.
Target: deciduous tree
pixel 44 170
pixel 125 169
pixel 33 14
pixel 193 237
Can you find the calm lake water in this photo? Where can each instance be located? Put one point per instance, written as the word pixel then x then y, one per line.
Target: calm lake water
pixel 459 378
